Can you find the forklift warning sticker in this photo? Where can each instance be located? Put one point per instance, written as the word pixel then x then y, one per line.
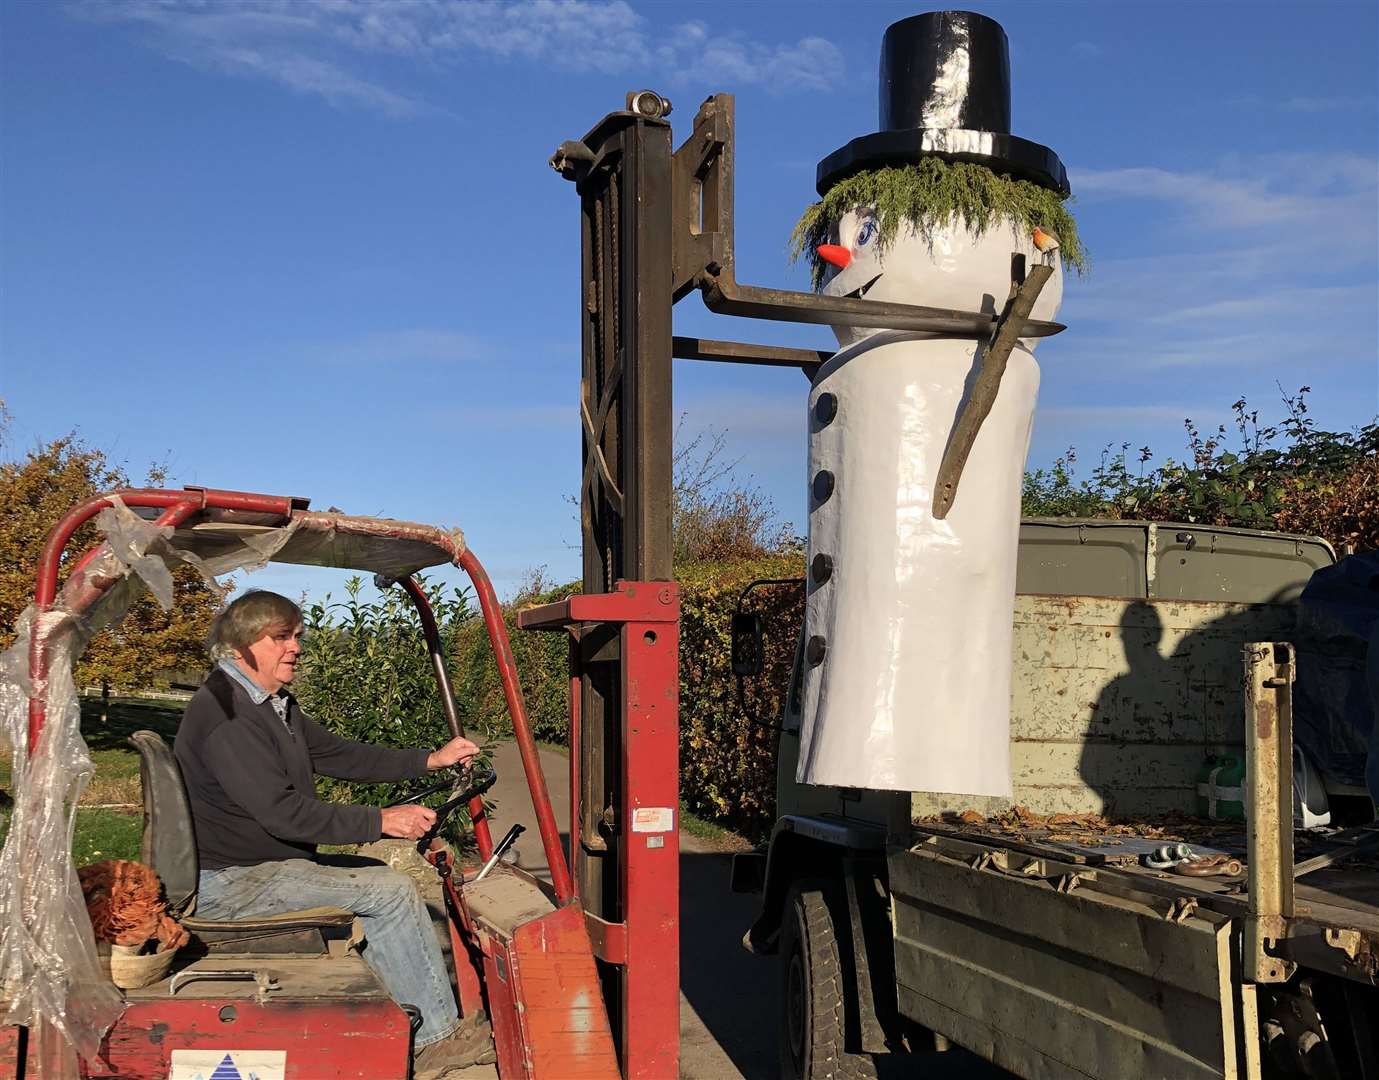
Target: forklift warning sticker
pixel 228 1065
pixel 652 819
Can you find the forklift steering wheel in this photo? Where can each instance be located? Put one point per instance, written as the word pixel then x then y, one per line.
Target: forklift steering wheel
pixel 464 784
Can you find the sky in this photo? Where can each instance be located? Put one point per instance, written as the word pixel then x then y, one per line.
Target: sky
pixel 313 247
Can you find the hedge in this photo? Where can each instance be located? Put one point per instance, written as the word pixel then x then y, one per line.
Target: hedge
pixel 727 759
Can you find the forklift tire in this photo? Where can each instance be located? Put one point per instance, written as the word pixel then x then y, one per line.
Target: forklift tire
pixel 813 1010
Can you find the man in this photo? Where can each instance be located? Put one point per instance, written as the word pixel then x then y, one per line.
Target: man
pixel 248 755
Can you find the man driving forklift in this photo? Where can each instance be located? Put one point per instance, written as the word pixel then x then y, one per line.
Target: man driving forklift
pixel 248 755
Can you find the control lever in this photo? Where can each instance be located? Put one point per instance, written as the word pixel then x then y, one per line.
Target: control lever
pixel 499 850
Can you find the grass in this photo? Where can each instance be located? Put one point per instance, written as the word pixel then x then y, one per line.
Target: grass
pixel 99 835
pixel 116 779
pixel 105 829
pixel 711 832
pixel 106 834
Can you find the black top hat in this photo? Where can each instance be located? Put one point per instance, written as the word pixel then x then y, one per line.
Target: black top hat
pixel 945 91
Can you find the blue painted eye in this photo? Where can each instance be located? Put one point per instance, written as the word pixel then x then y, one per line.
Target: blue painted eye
pixel 866 234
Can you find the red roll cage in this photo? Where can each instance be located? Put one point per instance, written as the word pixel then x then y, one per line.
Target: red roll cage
pixel 200 518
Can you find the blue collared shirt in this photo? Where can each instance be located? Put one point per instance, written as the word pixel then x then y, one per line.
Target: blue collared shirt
pixel 257 694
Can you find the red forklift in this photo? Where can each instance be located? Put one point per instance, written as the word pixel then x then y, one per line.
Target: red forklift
pixel 287 996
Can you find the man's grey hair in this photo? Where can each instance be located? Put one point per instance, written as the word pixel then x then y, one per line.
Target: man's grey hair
pixel 247 618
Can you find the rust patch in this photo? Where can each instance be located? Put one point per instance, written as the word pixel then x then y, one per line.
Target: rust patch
pixel 157 1033
pixel 1266 714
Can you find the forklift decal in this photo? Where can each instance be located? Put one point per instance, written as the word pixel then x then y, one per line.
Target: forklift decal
pixel 654 819
pixel 228 1065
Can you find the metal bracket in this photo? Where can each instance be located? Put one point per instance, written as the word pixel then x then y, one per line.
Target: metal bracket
pixel 1269 668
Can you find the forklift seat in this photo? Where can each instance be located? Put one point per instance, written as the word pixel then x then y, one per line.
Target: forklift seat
pixel 169 847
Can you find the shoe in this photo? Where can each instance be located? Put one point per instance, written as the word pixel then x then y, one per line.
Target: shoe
pixel 469 1044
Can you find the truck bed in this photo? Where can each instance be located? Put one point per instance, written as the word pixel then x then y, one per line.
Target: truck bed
pixel 1341 897
pixel 1006 930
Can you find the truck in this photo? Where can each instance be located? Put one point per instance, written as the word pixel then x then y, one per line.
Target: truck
pixel 1030 930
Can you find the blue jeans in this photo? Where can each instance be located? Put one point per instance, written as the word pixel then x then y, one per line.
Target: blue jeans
pixel 400 944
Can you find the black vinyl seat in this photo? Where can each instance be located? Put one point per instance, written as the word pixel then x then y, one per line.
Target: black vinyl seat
pixel 169 847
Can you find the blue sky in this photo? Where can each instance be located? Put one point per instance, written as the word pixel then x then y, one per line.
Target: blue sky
pixel 314 248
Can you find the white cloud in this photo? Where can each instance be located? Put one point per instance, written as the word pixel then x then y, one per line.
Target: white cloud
pixel 325 47
pixel 811 63
pixel 1249 244
pixel 1224 280
pixel 1291 300
pixel 1337 103
pixel 1326 194
pixel 308 75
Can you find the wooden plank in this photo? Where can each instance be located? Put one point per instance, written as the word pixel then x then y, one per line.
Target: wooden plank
pixel 1006 1049
pixel 1101 1042
pixel 1098 929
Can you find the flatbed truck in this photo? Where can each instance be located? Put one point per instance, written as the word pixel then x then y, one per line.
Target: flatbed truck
pixel 1029 930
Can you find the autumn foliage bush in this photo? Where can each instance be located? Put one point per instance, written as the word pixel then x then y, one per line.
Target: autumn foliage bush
pixel 1292 476
pixel 37 490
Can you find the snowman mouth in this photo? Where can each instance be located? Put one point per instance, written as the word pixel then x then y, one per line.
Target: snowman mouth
pixel 862 290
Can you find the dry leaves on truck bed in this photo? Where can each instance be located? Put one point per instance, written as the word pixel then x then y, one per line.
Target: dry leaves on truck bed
pixel 1085 828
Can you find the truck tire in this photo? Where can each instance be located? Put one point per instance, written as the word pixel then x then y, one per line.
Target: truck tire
pixel 813 1010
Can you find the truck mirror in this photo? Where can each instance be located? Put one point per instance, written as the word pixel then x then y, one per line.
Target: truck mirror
pixel 747 634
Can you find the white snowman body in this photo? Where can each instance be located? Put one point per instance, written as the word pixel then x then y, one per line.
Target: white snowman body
pixel 907 678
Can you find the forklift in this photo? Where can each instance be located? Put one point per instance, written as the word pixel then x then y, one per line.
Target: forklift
pixel 287 996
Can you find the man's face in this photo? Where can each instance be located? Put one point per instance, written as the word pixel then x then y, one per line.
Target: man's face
pixel 271 661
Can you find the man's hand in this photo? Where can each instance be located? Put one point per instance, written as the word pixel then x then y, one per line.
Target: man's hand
pixel 457 750
pixel 407 822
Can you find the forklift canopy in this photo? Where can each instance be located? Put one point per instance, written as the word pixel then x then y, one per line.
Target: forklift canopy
pixel 53 981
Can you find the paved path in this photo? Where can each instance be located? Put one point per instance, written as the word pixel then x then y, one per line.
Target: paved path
pixel 727 1019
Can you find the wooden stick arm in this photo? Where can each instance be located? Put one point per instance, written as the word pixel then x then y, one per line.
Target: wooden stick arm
pixel 1007 332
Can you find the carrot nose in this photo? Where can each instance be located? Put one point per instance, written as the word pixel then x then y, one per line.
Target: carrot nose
pixel 835 254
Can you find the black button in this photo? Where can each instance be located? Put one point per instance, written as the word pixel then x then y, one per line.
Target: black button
pixel 823 485
pixel 814 651
pixel 821 569
pixel 825 408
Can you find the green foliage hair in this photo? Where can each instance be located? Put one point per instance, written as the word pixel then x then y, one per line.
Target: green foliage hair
pixel 931 195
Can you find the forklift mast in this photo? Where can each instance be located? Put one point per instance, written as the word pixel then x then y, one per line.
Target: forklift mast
pixel 656 224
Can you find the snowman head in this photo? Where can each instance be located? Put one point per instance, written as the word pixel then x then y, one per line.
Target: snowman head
pixel 936 234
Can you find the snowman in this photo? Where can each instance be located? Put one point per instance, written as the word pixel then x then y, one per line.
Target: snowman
pixel 908 625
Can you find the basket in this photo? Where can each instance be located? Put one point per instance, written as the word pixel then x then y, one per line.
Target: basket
pixel 129 969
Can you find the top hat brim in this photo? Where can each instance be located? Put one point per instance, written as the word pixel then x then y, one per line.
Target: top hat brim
pixel 999 152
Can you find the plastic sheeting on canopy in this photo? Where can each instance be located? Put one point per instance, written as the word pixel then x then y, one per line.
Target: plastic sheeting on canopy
pixel 51 979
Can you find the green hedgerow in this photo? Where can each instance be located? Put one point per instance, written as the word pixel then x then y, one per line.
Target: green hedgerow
pixel 931 195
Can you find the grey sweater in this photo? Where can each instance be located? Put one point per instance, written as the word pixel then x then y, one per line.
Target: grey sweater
pixel 249 778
